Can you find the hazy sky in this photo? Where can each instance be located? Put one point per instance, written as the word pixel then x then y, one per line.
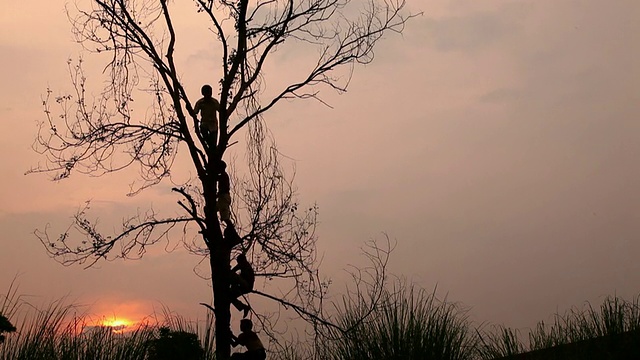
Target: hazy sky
pixel 496 141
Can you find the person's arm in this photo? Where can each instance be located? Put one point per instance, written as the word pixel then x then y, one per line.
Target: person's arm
pixel 234 340
pixel 235 268
pixel 196 109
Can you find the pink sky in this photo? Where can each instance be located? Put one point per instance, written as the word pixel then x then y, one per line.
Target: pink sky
pixel 496 141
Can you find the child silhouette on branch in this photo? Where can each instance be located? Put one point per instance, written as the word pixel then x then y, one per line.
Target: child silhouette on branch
pixel 208 108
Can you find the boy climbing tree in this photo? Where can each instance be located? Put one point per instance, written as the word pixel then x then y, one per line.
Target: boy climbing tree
pixel 241 283
pixel 208 107
pixel 249 339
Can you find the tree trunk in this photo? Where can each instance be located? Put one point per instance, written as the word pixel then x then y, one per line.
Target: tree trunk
pixel 220 268
pixel 220 263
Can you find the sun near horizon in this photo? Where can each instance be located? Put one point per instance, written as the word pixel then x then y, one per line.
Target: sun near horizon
pixel 118 324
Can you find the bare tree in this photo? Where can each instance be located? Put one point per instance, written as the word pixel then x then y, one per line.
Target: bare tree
pixel 100 135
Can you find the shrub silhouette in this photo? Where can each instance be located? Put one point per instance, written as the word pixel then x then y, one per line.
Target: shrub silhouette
pixel 5 326
pixel 175 345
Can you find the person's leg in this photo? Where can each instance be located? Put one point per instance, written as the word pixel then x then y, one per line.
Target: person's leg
pixel 205 133
pixel 241 307
pixel 243 285
pixel 238 304
pixel 213 138
pixel 235 292
pixel 239 285
pixel 209 136
pixel 234 280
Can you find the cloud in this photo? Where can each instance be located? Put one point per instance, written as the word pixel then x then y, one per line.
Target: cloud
pixel 501 95
pixel 473 31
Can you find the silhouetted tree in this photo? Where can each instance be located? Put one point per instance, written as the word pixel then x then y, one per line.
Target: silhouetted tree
pixel 101 135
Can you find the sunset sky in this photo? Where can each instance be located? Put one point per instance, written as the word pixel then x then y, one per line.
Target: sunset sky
pixel 498 142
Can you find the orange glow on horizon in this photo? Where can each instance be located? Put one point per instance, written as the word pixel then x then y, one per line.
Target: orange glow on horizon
pixel 120 317
pixel 118 324
pixel 115 322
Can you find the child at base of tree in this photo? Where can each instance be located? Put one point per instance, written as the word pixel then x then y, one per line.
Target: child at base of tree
pixel 208 107
pixel 249 339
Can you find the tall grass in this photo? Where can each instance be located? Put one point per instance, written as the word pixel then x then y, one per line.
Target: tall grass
pixel 615 316
pixel 57 332
pixel 405 323
pixel 499 342
pixel 408 323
